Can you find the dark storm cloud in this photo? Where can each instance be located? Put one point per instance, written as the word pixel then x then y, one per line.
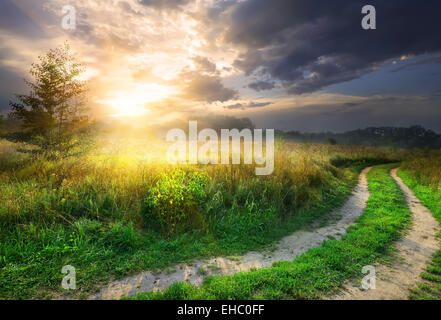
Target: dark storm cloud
pixel 14 20
pixel 350 104
pixel 11 83
pixel 309 45
pixel 262 85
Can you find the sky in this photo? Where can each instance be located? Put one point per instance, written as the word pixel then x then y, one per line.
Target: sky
pixel 285 64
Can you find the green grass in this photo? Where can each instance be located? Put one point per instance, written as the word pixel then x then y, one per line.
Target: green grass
pixel 32 256
pixel 430 196
pixel 100 213
pixel 321 270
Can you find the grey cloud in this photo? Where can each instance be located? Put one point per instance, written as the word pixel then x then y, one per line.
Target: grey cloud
pixel 212 121
pixel 165 4
pixel 206 88
pixel 127 8
pixel 234 106
pixel 204 83
pixel 249 105
pixel 286 38
pixel 14 20
pixel 350 104
pixel 249 61
pixel 374 112
pixel 262 85
pixel 430 60
pixel 11 83
pixel 204 64
pixel 218 122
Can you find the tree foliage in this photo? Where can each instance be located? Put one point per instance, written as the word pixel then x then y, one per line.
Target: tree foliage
pixel 395 137
pixel 54 111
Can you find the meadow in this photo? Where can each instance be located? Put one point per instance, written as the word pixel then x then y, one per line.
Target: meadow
pixel 120 208
pixel 422 173
pixel 321 270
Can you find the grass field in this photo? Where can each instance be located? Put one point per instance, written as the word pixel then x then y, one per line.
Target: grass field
pixel 117 211
pixel 321 270
pixel 423 176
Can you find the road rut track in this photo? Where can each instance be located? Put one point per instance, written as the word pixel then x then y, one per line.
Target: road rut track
pixel 413 254
pixel 287 249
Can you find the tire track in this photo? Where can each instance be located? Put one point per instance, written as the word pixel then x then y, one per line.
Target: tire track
pixel 414 252
pixel 287 249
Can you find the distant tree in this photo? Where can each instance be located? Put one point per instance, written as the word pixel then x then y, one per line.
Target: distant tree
pixel 393 137
pixel 54 110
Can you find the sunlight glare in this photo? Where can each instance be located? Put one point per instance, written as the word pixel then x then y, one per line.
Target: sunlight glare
pixel 132 103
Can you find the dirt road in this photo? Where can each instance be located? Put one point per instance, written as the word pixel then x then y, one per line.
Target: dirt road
pixel 413 254
pixel 287 249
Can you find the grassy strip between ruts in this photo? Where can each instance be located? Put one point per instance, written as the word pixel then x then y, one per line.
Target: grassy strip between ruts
pixel 431 198
pixel 321 270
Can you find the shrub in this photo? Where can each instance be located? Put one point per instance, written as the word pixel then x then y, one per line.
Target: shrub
pixel 174 202
pixel 342 162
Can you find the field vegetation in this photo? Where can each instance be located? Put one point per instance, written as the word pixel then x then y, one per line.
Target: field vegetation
pixel 321 270
pixel 74 192
pixel 422 173
pixel 121 209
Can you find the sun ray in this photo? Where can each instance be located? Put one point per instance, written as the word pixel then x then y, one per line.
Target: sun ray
pixel 133 103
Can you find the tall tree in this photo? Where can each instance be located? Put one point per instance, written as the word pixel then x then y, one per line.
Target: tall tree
pixel 55 107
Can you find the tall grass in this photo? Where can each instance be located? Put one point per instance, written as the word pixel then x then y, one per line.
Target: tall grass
pixel 122 209
pixel 422 173
pixel 321 270
pixel 425 166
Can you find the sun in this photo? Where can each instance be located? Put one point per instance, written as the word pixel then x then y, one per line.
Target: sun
pixel 132 103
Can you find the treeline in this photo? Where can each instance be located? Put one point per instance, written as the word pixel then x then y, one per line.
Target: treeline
pixel 412 137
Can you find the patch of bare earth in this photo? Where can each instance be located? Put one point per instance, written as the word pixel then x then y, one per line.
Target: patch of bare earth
pixel 413 254
pixel 287 249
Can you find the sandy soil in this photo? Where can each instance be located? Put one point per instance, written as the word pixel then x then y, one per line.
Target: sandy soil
pixel 287 249
pixel 413 254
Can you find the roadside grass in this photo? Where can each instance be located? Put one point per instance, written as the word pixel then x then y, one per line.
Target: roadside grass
pixel 321 270
pixel 430 196
pixel 100 213
pixel 32 257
